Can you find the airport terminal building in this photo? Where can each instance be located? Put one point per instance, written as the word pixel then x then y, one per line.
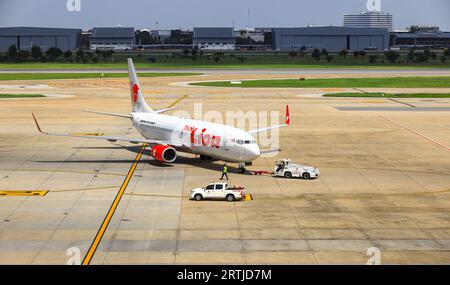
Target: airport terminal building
pixel 214 38
pixel 422 38
pixel 25 37
pixel 330 38
pixel 114 38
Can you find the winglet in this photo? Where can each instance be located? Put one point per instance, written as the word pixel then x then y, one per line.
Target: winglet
pixel 288 117
pixel 37 124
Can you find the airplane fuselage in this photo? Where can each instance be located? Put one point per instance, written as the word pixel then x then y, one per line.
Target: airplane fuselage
pixel 199 137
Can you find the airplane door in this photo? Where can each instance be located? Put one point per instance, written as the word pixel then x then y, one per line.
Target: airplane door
pixel 218 193
pixel 226 141
pixel 209 191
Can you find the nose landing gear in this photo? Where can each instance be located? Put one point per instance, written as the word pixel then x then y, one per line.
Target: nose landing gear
pixel 241 168
pixel 242 165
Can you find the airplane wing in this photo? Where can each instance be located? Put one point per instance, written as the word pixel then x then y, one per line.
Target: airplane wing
pixel 164 110
pixel 286 124
pixel 266 129
pixel 110 138
pixel 270 151
pixel 129 116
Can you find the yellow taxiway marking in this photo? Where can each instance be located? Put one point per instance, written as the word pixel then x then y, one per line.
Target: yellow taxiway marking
pixel 219 92
pixel 88 134
pixel 23 193
pixel 332 89
pixel 374 101
pixel 153 92
pixel 177 101
pixel 98 238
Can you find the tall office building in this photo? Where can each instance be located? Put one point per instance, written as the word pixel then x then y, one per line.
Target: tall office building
pixel 372 18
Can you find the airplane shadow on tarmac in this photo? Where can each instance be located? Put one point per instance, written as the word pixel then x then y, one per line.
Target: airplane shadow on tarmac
pixel 210 165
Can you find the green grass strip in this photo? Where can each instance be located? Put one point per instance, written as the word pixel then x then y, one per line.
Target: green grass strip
pixel 6 96
pixel 387 95
pixel 47 76
pixel 391 82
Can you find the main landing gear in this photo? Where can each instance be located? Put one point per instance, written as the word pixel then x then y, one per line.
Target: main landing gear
pixel 205 158
pixel 241 166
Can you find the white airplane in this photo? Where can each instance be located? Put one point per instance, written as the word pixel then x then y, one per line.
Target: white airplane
pixel 168 135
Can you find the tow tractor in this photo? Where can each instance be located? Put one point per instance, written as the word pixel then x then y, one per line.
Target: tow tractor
pixel 289 170
pixel 284 168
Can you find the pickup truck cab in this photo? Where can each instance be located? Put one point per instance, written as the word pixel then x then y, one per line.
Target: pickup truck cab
pixel 218 191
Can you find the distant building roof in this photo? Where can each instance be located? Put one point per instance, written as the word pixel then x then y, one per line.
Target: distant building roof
pixel 167 33
pixel 216 33
pixel 36 31
pixel 422 35
pixel 116 32
pixel 331 31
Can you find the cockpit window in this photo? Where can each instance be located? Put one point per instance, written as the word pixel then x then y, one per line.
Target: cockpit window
pixel 241 142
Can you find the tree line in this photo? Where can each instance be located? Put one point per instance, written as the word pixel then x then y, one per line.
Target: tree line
pixel 318 54
pixel 413 55
pixel 55 54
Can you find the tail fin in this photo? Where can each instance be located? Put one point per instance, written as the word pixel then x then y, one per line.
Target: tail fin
pixel 137 100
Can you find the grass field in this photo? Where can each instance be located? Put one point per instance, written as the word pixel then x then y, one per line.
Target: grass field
pixel 387 95
pixel 228 61
pixel 9 96
pixel 44 76
pixel 391 82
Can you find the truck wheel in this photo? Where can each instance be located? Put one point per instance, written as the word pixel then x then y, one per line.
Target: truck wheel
pixel 230 198
pixel 198 197
pixel 306 175
pixel 241 170
pixel 288 175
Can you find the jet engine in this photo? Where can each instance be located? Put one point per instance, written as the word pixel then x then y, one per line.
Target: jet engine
pixel 164 153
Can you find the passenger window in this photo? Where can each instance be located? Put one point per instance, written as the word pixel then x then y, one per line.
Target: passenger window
pixel 210 187
pixel 247 142
pixel 219 187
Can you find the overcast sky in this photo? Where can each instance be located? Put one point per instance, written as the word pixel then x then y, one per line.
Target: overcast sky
pixel 190 13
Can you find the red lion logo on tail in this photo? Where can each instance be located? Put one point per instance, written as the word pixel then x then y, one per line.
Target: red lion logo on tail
pixel 135 93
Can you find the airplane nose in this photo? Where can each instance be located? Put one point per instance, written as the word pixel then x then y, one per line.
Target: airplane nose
pixel 253 152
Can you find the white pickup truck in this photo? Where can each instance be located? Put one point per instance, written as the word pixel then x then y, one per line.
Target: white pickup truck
pixel 220 191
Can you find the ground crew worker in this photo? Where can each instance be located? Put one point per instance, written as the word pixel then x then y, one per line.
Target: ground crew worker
pixel 224 172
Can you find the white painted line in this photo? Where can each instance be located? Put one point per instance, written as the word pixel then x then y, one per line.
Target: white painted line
pixel 415 132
